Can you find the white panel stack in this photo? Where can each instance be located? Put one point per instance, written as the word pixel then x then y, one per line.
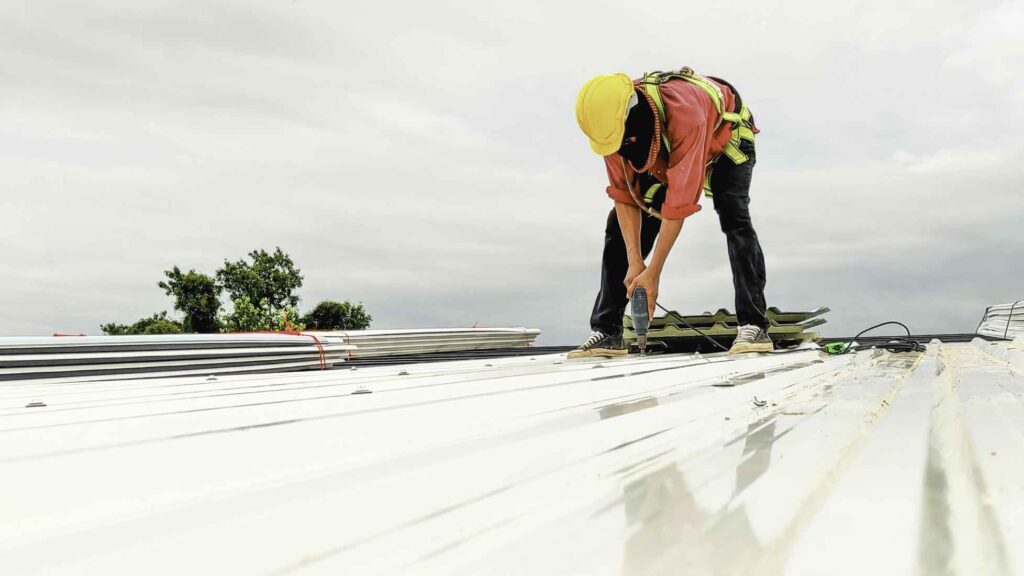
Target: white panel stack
pixel 86 358
pixel 385 343
pixel 1003 321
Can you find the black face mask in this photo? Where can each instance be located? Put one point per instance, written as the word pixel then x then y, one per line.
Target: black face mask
pixel 636 142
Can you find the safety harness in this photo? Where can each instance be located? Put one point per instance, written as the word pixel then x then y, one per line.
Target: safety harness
pixel 742 127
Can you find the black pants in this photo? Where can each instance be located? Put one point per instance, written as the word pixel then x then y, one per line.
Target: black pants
pixel 730 185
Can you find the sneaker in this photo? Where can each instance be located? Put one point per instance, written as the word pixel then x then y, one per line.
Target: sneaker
pixel 750 338
pixel 600 345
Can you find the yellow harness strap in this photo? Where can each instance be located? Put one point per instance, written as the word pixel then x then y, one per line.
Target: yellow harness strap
pixel 742 129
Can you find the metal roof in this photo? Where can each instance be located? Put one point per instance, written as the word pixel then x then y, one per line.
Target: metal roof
pixel 791 463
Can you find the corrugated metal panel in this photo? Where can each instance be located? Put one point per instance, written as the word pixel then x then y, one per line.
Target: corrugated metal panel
pixel 86 358
pixel 388 343
pixel 869 463
pixel 1003 320
pixel 694 332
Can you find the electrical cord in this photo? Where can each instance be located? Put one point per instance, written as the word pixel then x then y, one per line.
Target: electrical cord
pixel 896 344
pixel 706 337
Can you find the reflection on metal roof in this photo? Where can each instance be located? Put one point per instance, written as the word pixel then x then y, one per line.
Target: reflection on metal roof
pixel 793 463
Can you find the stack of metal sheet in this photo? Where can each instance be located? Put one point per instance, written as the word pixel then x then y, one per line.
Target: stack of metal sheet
pixel 1003 321
pixel 786 329
pixel 78 359
pixel 400 343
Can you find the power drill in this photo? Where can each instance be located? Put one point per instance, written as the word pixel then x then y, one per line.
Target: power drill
pixel 641 318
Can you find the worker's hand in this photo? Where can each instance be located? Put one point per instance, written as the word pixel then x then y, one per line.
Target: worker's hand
pixel 650 281
pixel 635 269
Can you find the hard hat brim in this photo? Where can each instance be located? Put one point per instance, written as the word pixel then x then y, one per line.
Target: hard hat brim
pixel 609 148
pixel 608 142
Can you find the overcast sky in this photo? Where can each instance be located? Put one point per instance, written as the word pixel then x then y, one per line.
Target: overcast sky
pixel 423 157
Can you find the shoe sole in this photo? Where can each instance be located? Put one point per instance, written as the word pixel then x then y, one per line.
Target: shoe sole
pixel 596 353
pixel 752 347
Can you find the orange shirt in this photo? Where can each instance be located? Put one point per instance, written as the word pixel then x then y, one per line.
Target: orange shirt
pixel 690 118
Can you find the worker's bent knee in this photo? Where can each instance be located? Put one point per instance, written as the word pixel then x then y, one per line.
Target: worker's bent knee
pixel 735 220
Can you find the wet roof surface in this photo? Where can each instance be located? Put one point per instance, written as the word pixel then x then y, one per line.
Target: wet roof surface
pixel 794 463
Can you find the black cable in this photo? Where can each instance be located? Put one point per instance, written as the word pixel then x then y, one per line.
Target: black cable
pixel 706 337
pixel 896 344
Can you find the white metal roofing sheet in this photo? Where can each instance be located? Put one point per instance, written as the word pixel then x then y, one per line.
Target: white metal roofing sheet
pixel 197 340
pixel 1003 320
pixel 858 464
pixel 384 343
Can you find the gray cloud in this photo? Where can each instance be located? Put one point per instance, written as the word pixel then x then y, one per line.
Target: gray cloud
pixel 423 157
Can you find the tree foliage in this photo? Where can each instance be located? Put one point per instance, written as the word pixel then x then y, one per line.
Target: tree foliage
pixel 197 296
pixel 261 289
pixel 332 315
pixel 157 324
pixel 247 316
pixel 267 280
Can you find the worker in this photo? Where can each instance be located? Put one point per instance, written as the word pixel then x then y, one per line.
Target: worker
pixel 663 137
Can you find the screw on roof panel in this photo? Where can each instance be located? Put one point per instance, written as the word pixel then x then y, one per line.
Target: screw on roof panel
pixel 35 404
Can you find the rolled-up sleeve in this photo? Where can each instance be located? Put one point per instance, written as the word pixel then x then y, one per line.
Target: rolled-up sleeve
pixel 617 180
pixel 686 176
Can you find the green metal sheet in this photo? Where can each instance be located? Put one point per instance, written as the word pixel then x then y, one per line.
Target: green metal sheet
pixel 788 328
pixel 709 319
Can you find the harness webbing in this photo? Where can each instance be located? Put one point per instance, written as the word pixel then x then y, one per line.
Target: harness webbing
pixel 742 129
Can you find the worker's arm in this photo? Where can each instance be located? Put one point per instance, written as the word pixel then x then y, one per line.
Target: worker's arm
pixel 650 278
pixel 685 178
pixel 666 239
pixel 629 217
pixel 629 222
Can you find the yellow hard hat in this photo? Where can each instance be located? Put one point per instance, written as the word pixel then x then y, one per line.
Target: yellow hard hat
pixel 601 109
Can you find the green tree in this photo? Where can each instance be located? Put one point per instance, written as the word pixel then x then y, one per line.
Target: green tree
pixel 247 316
pixel 197 296
pixel 158 324
pixel 332 315
pixel 267 280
